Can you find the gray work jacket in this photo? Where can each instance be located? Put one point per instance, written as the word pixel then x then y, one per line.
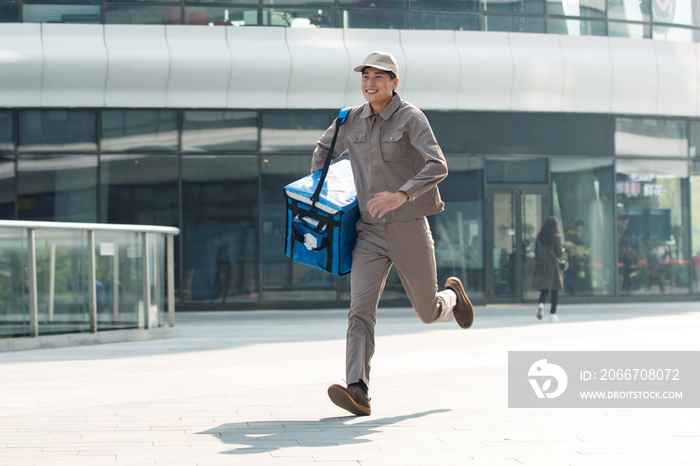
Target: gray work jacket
pixel 393 151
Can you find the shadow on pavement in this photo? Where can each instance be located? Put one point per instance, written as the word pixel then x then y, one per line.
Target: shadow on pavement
pixel 267 436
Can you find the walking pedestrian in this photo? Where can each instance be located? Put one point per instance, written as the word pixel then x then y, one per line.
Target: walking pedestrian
pixel 549 258
pixel 397 164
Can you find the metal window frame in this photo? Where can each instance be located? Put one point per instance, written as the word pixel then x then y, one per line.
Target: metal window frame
pixel 336 8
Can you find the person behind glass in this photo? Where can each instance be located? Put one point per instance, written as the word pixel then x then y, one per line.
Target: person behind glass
pixel 223 274
pixel 548 275
pixel 396 163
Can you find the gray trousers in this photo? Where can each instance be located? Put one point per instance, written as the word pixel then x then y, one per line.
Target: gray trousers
pixel 410 246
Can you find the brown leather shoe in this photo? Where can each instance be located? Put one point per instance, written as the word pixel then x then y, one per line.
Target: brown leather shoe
pixel 351 399
pixel 463 310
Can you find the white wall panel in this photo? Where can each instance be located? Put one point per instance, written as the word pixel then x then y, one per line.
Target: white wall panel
pixel 697 58
pixel 486 81
pixel 635 78
pixel 432 69
pixel 360 43
pixel 320 68
pixel 21 65
pixel 678 78
pixel 200 67
pixel 539 72
pixel 72 65
pixel 589 74
pixel 75 65
pixel 139 65
pixel 261 67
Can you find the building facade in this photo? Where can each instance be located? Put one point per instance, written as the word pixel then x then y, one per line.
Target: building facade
pixel 588 110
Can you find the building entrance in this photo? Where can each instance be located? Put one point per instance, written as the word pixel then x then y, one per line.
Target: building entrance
pixel 515 215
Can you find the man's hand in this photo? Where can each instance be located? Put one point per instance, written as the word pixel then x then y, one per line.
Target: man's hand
pixel 384 202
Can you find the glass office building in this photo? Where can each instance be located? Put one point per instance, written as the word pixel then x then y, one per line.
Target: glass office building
pixel 587 110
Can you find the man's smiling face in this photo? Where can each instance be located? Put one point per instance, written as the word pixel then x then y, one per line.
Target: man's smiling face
pixel 377 87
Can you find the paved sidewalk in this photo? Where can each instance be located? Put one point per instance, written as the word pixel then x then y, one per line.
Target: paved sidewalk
pixel 249 388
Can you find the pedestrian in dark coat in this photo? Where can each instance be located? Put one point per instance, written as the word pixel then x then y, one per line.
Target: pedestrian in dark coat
pixel 549 258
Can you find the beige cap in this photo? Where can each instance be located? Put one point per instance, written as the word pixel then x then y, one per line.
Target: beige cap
pixel 382 61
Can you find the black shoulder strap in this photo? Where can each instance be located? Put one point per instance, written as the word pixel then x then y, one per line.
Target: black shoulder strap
pixel 342 115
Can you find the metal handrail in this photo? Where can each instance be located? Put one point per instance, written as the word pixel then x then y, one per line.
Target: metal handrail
pixel 90 229
pixel 89 226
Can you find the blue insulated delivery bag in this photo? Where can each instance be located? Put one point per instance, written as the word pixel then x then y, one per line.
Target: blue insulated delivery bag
pixel 321 215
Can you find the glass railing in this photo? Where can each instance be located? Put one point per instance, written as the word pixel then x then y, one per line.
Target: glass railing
pixel 58 278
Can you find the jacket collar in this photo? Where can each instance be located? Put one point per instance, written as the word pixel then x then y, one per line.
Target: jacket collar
pixel 389 110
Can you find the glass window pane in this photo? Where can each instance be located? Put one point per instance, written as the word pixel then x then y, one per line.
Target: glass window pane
pixel 294 18
pixel 639 10
pixel 520 170
pixel 139 189
pixel 61 188
pixel 674 34
pixel 68 252
pixel 7 188
pixel 375 3
pixel 695 138
pixel 649 137
pixel 88 14
pixel 651 243
pixel 502 246
pixel 445 5
pixel 284 280
pixel 459 230
pixel 630 30
pixel 125 130
pixel 232 2
pixel 7 131
pixel 584 201
pixel 63 130
pixel 216 130
pixel 14 311
pixel 532 216
pixel 686 12
pixel 220 237
pixel 447 21
pixel 513 6
pixel 375 19
pixel 575 27
pixel 512 133
pixel 298 2
pixel 9 13
pixel 512 23
pixel 142 14
pixel 586 8
pixel 119 283
pixel 137 1
pixel 290 130
pixel 695 222
pixel 221 16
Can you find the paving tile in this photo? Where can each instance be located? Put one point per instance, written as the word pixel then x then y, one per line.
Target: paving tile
pixel 249 388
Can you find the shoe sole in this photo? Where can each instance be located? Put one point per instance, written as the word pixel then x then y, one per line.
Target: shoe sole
pixel 468 320
pixel 341 398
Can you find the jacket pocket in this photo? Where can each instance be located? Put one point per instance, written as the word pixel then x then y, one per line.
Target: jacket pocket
pixel 357 137
pixel 392 145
